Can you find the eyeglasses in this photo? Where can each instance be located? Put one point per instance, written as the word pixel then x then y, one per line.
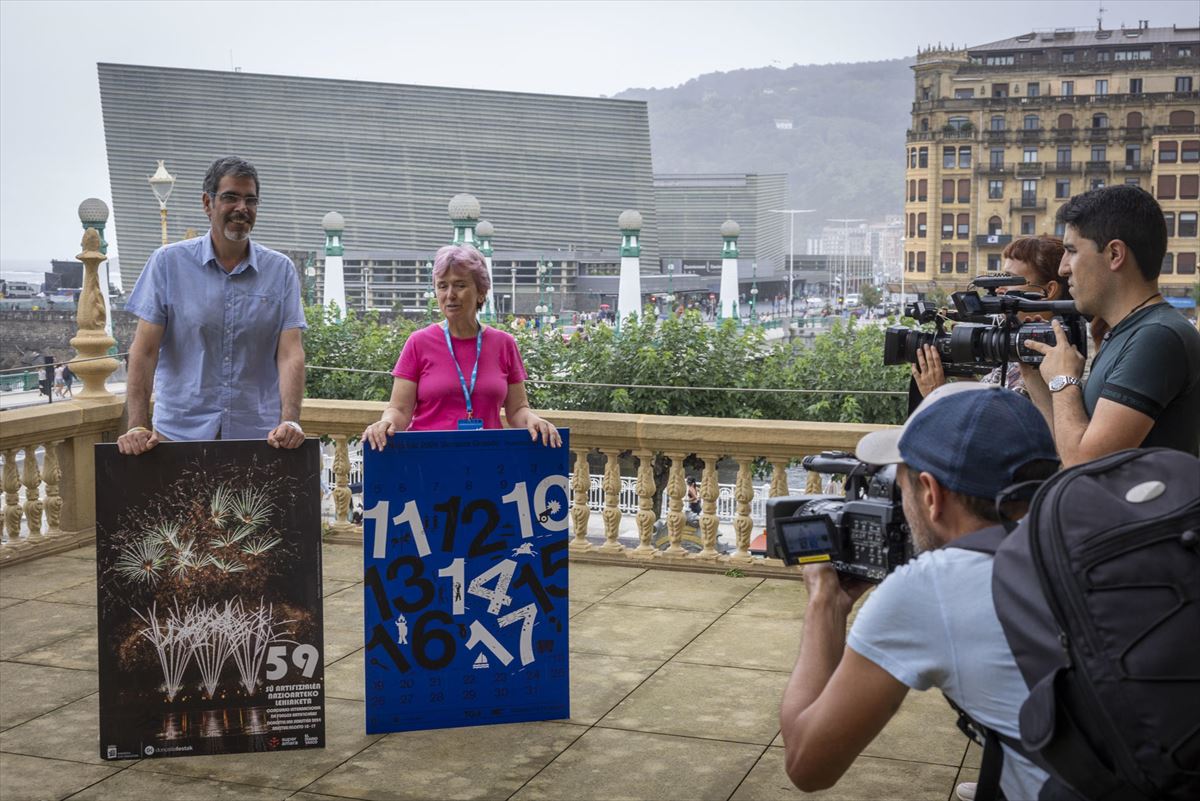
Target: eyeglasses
pixel 233 198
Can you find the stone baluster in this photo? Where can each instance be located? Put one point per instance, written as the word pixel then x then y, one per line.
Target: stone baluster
pixel 32 479
pixel 92 342
pixel 675 517
pixel 52 474
pixel 12 502
pixel 812 483
pixel 645 514
pixel 341 477
pixel 612 494
pixel 779 485
pixel 580 512
pixel 743 493
pixel 708 507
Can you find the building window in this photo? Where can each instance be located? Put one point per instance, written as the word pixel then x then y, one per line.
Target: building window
pixel 1029 193
pixel 1168 152
pixel 993 262
pixel 1027 224
pixel 1132 182
pixel 1184 52
pixel 1133 119
pixel 997 122
pixel 1099 120
pixel 964 158
pixel 996 158
pixel 1031 122
pixel 948 190
pixel 912 225
pixel 925 93
pixel 921 262
pixel 1033 89
pixel 1135 86
pixel 1064 157
pixel 911 260
pixel 963 94
pixel 1060 229
pixel 922 224
pixel 912 157
pixel 995 189
pixel 1168 264
pixel 912 191
pixel 958 124
pixel 1099 153
pixel 1185 264
pixel 924 123
pixel 1187 223
pixel 995 226
pixel 964 190
pixel 999 60
pixel 1066 122
pixel 948 154
pixel 1169 216
pixel 1029 156
pixel 1189 152
pixel 1132 55
pixel 1183 83
pixel 922 190
pixel 1103 55
pixel 1101 86
pixel 1133 155
pixel 923 157
pixel 964 226
pixel 1189 187
pixel 947 262
pixel 960 262
pixel 1062 188
pixel 1068 56
pixel 1067 88
pixel 1097 183
pixel 947 226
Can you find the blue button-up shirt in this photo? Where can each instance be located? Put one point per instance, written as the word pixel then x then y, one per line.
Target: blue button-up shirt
pixel 216 375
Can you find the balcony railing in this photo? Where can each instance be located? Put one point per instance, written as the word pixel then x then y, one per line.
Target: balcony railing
pixel 1098 134
pixel 1062 167
pixel 1030 169
pixel 1031 134
pixel 992 240
pixel 1026 204
pixel 1046 101
pixel 1145 165
pixel 1176 129
pixel 1091 167
pixel 995 136
pixel 993 169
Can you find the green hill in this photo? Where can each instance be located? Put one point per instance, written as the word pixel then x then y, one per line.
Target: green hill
pixel 844 152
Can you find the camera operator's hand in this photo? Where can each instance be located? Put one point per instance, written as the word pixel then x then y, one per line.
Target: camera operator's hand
pixel 824 585
pixel 927 371
pixel 1062 358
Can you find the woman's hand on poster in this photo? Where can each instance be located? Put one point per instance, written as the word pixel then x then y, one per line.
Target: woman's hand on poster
pixel 377 434
pixel 539 427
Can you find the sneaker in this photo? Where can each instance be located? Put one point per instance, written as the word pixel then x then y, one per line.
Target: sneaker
pixel 965 791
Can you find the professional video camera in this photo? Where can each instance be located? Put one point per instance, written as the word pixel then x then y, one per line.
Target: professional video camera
pixel 863 532
pixel 987 329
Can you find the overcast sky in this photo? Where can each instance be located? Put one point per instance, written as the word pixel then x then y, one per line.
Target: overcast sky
pixel 52 138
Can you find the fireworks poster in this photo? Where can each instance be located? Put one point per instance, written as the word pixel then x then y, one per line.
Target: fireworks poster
pixel 208 562
pixel 465 582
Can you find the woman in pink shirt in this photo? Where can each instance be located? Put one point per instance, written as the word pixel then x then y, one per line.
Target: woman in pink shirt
pixel 456 374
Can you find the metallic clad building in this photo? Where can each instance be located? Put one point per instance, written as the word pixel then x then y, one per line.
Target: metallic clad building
pixel 691 209
pixel 551 172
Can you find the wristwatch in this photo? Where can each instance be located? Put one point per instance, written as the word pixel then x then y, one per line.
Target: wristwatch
pixel 1063 381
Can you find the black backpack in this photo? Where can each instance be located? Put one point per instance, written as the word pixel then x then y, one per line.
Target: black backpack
pixel 1098 592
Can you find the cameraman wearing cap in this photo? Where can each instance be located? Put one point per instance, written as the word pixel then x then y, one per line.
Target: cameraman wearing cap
pixel 931 622
pixel 1144 387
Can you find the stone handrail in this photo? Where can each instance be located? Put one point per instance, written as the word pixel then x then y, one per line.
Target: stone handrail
pixel 776 442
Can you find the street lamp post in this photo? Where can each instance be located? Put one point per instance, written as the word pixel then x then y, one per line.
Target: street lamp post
pixel 162 182
pixel 541 309
pixel 670 296
pixel 845 221
pixel 512 275
pixel 428 295
pixel 791 256
pixel 754 292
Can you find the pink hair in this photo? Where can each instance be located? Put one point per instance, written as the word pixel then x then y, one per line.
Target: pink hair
pixel 467 258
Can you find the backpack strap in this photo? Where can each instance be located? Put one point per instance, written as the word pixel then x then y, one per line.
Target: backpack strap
pixel 987 787
pixel 985 540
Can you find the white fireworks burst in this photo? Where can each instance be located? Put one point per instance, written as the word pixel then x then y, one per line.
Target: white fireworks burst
pixel 172 642
pixel 252 507
pixel 220 507
pixel 142 560
pixel 227 565
pixel 260 545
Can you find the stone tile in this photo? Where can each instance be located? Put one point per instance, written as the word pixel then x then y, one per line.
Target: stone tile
pixel 42 576
pixel 329 586
pixel 77 652
pixel 313 797
pixel 965 774
pixel 343 562
pixel 868 777
pixel 142 785
pixel 744 641
pixel 774 598
pixel 343 623
pixel 344 678
pixel 922 730
pixel 717 703
pixel 608 765
pixel 37 623
pixel 68 732
pixel 974 757
pixel 591 583
pixel 7 602
pixel 576 607
pixel 289 770
pixel 478 762
pixel 599 683
pixel 27 691
pixel 81 594
pixel 642 632
pixel 35 777
pixel 671 589
pixel 87 552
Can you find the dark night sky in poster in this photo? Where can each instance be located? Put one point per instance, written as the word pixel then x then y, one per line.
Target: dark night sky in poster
pixel 208 558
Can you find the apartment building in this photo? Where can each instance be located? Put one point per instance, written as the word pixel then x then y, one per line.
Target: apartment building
pixel 1004 133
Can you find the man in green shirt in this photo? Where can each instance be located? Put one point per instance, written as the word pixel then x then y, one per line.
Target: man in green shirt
pixel 1144 387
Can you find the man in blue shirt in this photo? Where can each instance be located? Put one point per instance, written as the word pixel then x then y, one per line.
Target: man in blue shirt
pixel 931 622
pixel 219 330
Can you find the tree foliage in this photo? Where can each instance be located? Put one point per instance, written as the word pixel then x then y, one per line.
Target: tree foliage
pixel 356 342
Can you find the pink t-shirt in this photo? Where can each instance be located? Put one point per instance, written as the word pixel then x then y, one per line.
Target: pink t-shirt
pixel 440 403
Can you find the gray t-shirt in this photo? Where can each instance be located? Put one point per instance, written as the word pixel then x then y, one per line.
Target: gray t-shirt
pixel 931 623
pixel 1151 363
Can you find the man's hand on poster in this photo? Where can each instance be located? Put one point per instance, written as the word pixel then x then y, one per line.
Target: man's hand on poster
pixel 287 434
pixel 137 440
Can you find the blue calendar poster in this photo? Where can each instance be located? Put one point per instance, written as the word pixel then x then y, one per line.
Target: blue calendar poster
pixel 465 580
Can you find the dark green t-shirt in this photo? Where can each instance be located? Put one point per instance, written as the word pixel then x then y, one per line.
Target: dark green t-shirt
pixel 1151 362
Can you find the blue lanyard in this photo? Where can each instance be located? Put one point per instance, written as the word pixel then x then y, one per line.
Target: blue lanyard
pixel 462 381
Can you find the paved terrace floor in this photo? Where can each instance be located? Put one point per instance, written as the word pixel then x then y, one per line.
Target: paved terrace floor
pixel 675 686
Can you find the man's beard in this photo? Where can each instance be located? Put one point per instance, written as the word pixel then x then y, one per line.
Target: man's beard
pixel 235 235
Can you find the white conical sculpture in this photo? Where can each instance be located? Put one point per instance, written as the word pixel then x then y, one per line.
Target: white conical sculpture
pixel 728 308
pixel 629 290
pixel 483 234
pixel 335 281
